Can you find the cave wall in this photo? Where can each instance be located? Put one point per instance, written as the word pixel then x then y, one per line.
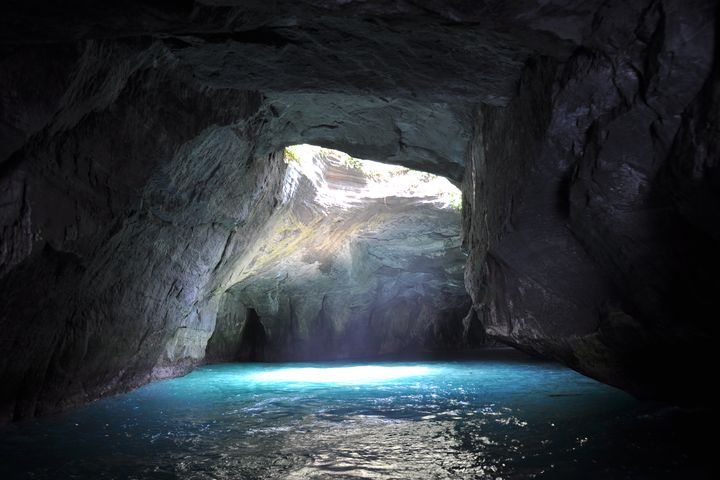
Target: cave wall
pixel 600 262
pixel 137 166
pixel 118 222
pixel 133 195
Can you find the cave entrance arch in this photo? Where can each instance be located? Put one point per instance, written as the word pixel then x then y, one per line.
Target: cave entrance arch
pixel 359 259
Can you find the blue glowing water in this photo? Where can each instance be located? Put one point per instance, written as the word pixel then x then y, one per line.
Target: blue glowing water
pixel 509 418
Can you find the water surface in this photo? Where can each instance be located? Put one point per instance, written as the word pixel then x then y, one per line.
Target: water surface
pixel 507 417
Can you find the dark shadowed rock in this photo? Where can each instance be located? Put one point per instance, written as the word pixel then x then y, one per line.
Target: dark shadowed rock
pixel 600 263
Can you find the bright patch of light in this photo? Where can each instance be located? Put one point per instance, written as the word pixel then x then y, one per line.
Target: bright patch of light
pixel 381 180
pixel 342 375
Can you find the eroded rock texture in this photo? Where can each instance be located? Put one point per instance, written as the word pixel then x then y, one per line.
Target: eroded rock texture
pixel 138 165
pixel 343 272
pixel 600 263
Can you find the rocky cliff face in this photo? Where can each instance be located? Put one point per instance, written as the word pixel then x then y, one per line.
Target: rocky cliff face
pixel 594 258
pixel 350 265
pixel 138 165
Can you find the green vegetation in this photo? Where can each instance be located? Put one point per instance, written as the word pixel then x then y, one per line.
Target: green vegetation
pixel 351 162
pixel 455 200
pixel 291 156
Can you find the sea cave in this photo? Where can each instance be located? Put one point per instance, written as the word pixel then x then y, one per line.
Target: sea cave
pixel 358 238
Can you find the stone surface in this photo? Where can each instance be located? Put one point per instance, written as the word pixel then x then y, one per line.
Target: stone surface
pixel 600 264
pixel 342 272
pixel 138 165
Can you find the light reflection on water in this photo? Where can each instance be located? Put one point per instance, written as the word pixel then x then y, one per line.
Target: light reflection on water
pixel 352 374
pixel 491 419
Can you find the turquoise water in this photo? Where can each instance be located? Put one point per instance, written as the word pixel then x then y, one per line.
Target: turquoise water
pixel 499 418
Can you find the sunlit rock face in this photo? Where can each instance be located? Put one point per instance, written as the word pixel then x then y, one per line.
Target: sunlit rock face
pixel 361 259
pixel 138 166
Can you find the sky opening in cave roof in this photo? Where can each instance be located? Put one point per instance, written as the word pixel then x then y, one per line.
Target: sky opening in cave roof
pixel 382 180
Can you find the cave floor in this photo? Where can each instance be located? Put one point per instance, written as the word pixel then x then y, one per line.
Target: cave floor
pixel 507 416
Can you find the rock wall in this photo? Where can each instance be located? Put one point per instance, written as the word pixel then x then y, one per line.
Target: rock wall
pixel 340 273
pixel 115 220
pixel 130 200
pixel 598 260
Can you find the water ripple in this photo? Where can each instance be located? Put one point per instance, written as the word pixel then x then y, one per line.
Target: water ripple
pixel 438 420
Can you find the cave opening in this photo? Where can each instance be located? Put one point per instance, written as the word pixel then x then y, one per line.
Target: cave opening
pixel 359 259
pixel 252 337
